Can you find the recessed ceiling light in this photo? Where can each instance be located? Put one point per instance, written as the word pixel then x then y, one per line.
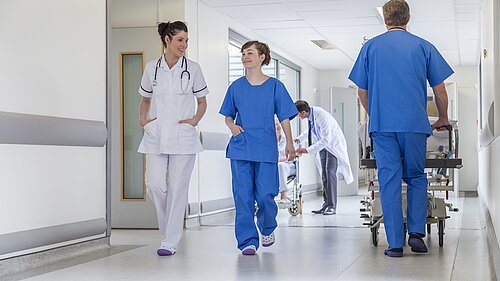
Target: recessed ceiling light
pixel 324 45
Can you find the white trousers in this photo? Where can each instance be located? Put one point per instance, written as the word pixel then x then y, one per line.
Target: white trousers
pixel 285 169
pixel 167 182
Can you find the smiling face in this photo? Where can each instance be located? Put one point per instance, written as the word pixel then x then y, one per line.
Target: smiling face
pixel 178 44
pixel 250 57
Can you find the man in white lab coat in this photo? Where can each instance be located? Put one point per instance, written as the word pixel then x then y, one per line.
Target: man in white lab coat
pixel 327 142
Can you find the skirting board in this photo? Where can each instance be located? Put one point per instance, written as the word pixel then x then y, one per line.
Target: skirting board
pixel 36 260
pixel 34 238
pixel 491 237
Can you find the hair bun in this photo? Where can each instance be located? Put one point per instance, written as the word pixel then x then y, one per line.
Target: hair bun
pixel 162 27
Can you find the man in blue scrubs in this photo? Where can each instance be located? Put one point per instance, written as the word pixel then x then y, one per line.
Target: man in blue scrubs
pixel 391 72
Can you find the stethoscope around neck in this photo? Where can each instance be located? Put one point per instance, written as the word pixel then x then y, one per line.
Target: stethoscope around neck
pixel 184 74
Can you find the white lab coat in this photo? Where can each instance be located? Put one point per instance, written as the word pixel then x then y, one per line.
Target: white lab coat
pixel 330 138
pixel 170 104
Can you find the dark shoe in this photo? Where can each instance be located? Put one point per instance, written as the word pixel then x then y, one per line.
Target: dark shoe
pixel 320 211
pixel 416 243
pixel 165 252
pixel 249 250
pixel 329 211
pixel 394 252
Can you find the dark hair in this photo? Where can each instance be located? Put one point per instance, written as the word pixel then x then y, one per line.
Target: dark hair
pixel 302 105
pixel 396 13
pixel 170 29
pixel 261 47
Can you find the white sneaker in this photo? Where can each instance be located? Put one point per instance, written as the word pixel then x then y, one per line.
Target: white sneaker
pixel 268 240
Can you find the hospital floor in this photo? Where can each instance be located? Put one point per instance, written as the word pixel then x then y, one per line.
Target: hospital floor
pixel 308 247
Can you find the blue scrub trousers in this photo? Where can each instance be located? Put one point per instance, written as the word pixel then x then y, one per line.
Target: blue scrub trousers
pixel 401 156
pixel 254 181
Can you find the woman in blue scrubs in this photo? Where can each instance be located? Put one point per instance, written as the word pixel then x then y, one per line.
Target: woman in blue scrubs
pixel 250 104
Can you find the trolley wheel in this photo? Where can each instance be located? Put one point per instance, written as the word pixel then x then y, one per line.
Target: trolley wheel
pixel 374 235
pixel 441 232
pixel 296 208
pixel 428 228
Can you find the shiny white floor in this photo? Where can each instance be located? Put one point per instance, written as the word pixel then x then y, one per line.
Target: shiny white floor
pixel 308 247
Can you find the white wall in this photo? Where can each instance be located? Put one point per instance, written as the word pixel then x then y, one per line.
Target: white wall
pixel 489 151
pixel 54 64
pixel 145 13
pixel 467 97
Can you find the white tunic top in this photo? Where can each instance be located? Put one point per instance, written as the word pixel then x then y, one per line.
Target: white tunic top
pixel 171 102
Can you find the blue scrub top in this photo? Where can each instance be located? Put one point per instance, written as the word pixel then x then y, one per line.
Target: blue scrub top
pixel 394 67
pixel 253 108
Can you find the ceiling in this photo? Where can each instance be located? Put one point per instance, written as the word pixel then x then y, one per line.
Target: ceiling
pixel 451 25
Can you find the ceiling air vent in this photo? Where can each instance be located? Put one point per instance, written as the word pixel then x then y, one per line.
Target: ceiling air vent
pixel 323 44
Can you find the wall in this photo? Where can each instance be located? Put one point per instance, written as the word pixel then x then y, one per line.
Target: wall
pixel 52 68
pixel 489 150
pixel 467 97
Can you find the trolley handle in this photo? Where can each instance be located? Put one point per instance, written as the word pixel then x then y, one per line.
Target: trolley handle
pixel 449 128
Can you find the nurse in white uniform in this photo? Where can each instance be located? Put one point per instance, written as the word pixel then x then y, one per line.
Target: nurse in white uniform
pixel 169 87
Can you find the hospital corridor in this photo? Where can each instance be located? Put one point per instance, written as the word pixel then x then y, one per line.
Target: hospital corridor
pixel 249 140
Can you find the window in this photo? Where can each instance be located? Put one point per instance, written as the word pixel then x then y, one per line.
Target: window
pixel 270 69
pixel 236 69
pixel 131 67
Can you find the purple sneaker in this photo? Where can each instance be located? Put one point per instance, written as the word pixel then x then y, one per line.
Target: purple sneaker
pixel 165 251
pixel 249 250
pixel 268 240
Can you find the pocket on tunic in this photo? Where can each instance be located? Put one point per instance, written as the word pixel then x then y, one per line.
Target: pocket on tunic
pixel 151 128
pixel 237 146
pixel 187 133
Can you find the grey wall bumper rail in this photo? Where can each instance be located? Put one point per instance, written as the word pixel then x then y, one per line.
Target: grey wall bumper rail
pixel 18 128
pixel 23 240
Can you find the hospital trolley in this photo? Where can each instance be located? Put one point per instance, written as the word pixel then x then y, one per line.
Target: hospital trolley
pixel 441 162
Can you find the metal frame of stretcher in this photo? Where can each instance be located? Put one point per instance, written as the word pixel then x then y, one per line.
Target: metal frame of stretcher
pixel 296 202
pixel 440 170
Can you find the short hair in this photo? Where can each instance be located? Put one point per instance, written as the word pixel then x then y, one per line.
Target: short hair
pixel 302 105
pixel 261 47
pixel 396 13
pixel 170 29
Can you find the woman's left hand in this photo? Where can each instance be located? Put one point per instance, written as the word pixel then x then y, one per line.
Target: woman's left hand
pixel 290 151
pixel 191 122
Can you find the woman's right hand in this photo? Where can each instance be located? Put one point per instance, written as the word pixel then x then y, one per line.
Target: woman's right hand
pixel 236 130
pixel 145 122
